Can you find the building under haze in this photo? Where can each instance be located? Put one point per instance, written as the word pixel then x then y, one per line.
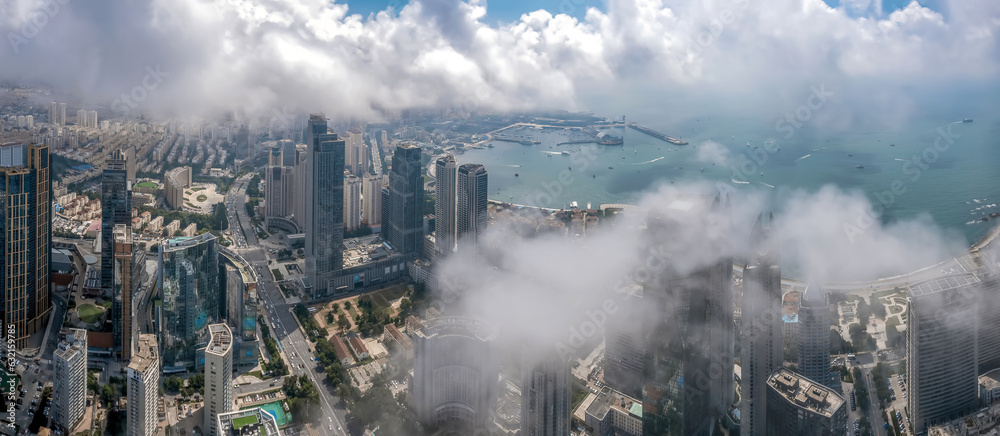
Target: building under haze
pixel 175 182
pixel 446 195
pixel 324 206
pixel 814 336
pixel 546 396
pixel 192 297
pixel 218 376
pixel 352 203
pixel 279 181
pixel 26 236
pixel 69 378
pixel 761 338
pixel 470 208
pixel 371 205
pixel 143 387
pixel 455 375
pixel 799 406
pixel 356 153
pixel 941 353
pixel 116 208
pixel 405 225
pixel 121 289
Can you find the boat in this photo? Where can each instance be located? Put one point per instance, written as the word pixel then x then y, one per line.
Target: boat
pixel 611 168
pixel 595 176
pixel 570 168
pixel 892 145
pixel 860 166
pixel 702 169
pixel 967 120
pixel 850 155
pixel 564 153
pixel 517 175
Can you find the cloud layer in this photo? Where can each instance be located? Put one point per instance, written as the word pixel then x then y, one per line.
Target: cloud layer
pixel 254 56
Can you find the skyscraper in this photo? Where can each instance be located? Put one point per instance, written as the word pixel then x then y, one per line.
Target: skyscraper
pixel 143 387
pixel 546 396
pixel 218 376
pixel 62 114
pixel 54 113
pixel 352 202
pixel 324 206
pixel 799 406
pixel 122 290
pixel 357 153
pixel 814 335
pixel 406 202
pixel 25 239
pixel 761 338
pixel 446 196
pixel 300 172
pixel 941 349
pixel 279 181
pixel 371 204
pixel 455 374
pixel 116 208
pixel 191 295
pixel 69 378
pixel 471 215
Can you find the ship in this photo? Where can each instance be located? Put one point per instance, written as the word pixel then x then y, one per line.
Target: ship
pixel 967 120
pixel 606 139
pixel 861 166
pixel 564 153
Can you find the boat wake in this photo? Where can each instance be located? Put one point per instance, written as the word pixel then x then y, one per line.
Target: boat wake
pixel 741 182
pixel 649 161
pixel 901 160
pixel 765 184
pixel 803 157
pixel 514 166
pixel 552 152
pixel 817 149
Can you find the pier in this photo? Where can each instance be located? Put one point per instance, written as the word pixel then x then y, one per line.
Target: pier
pixel 656 134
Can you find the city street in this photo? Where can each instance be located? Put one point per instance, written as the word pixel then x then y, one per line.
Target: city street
pixel 278 314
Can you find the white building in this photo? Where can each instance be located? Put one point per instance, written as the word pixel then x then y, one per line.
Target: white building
pixel 69 378
pixel 218 376
pixel 372 201
pixel 143 387
pixel 352 203
pixel 255 421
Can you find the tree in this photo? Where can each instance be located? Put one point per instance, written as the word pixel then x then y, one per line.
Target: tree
pixel 877 308
pixel 330 319
pixel 863 312
pixel 342 322
pixel 108 393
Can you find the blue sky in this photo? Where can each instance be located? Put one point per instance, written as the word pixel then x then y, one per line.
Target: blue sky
pixel 511 10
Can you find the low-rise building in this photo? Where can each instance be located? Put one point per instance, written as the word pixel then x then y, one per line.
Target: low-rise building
pixel 989 388
pixel 397 341
pixel 797 405
pixel 340 350
pixel 613 412
pixel 255 422
pixel 357 347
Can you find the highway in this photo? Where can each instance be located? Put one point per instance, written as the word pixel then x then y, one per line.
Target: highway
pixel 278 313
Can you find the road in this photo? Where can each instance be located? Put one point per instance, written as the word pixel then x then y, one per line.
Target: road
pixel 278 314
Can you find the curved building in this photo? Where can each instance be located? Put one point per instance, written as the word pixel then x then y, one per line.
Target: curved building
pixel 814 335
pixel 174 184
pixel 192 297
pixel 455 374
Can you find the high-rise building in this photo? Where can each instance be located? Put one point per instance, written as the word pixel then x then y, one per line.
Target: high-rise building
pixel 762 338
pixel 25 239
pixel 446 196
pixel 191 295
pixel 455 375
pixel 175 182
pixel 324 206
pixel 81 118
pixel 218 376
pixel 356 153
pixel 129 161
pixel 255 421
pixel 352 202
pixel 279 182
pixel 546 397
pixel 116 208
pixel 62 114
pixel 122 290
pixel 143 387
pixel 54 113
pixel 988 304
pixel 386 197
pixel 471 215
pixel 371 204
pixel 799 406
pixel 941 349
pixel 406 202
pixel 92 119
pixel 299 170
pixel 69 378
pixel 814 335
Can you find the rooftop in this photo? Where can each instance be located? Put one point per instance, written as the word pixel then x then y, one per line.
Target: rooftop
pixel 248 422
pixel 145 353
pixel 221 339
pixel 359 251
pixel 990 380
pixel 941 284
pixel 805 393
pixel 609 399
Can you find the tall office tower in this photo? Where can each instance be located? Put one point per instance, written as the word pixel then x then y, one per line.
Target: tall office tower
pixel 288 153
pixel 81 118
pixel 54 113
pixel 129 162
pixel 218 376
pixel 143 387
pixel 386 198
pixel 455 375
pixel 122 290
pixel 324 206
pixel 279 183
pixel 29 121
pixel 92 119
pixel 300 181
pixel 446 196
pixel 357 153
pixel 988 337
pixel 762 339
pixel 352 202
pixel 545 396
pixel 25 239
pixel 406 202
pixel 371 205
pixel 62 114
pixel 471 215
pixel 116 208
pixel 941 349
pixel 797 405
pixel 814 335
pixel 191 296
pixel 69 378
pixel 242 139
